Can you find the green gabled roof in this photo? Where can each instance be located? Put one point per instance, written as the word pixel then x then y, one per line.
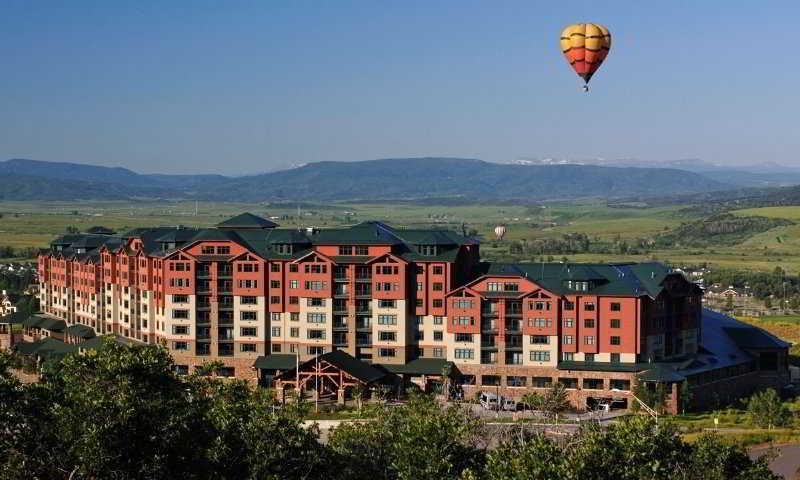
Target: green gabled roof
pixel 602 366
pixel 276 361
pixel 246 221
pixel 661 373
pixel 606 279
pixel 80 331
pixel 366 233
pixel 47 348
pixel 97 342
pixel 418 366
pixel 16 318
pixel 53 324
pixel 340 359
pixel 33 321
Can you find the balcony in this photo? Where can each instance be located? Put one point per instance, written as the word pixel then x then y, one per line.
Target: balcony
pixel 225 272
pixel 488 346
pixel 364 278
pixel 364 311
pixel 363 325
pixel 201 273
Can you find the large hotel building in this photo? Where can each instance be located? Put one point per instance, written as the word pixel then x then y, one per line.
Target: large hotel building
pixel 407 301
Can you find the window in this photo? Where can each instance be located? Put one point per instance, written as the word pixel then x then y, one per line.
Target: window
pixel 462 303
pixel 177 299
pixel 247 347
pixel 316 317
pixel 463 321
pixel 387 352
pixel 514 381
pixel 615 358
pixel 438 303
pixel 274 299
pixel 593 383
pixel 617 384
pixel 205 250
pixel 275 317
pixel 588 357
pixel 316 334
pixel 361 250
pixel 248 284
pixel 615 307
pixel 274 267
pixel 464 354
pixel 419 286
pixel 180 314
pixel 294 300
pixel 249 331
pixel 588 340
pixel 294 332
pixel 276 331
pixel 387 319
pixel 315 302
pixel 568 382
pixel 438 336
pixel 615 323
pixel 345 250
pixel 568 340
pixel 315 350
pixel 293 268
pixel 438 286
pixel 274 284
pixel 180 330
pixel 492 286
pixel 387 336
pixel 510 287
pixel 588 306
pixel 490 380
pixel 437 320
pixel 615 340
pixel 315 268
pixel 463 337
pixel 569 323
pixel 387 303
pixel 437 270
pixel 182 346
pixel 568 356
pixel 569 305
pixel 438 353
pixel 248 300
pixel 248 315
pixel 223 250
pixel 542 382
pixel 537 356
pixel 540 340
pixel 540 322
pixel 316 285
pixel 427 250
pixel 588 323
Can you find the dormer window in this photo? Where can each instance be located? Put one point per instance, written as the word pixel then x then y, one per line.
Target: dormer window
pixel 577 285
pixel 427 250
pixel 283 248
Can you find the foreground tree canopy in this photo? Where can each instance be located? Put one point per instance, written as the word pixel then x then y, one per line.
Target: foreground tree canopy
pixel 121 413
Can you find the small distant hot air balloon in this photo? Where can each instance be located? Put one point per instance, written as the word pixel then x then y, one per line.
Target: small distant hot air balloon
pixel 585 45
pixel 500 232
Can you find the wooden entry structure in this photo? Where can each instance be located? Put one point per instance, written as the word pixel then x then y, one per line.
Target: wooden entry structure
pixel 331 373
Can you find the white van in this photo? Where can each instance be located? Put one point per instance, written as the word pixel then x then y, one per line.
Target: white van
pixel 489 400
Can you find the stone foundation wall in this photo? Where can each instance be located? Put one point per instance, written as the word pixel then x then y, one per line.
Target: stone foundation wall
pixel 578 396
pixel 243 367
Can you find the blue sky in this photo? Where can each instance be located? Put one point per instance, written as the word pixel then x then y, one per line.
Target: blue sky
pixel 242 87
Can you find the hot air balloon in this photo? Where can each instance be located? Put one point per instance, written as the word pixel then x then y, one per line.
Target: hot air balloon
pixel 585 45
pixel 500 232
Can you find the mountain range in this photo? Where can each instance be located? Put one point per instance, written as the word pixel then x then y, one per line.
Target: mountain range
pixel 370 180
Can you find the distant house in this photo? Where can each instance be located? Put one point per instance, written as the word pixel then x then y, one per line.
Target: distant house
pixel 718 291
pixel 8 303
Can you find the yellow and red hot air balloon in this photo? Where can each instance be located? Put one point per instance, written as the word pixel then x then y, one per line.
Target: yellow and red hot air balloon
pixel 585 45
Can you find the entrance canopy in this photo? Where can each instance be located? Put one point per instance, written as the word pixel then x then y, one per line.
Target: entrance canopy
pixel 331 372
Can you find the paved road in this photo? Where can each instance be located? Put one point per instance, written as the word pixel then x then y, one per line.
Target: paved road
pixel 788 462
